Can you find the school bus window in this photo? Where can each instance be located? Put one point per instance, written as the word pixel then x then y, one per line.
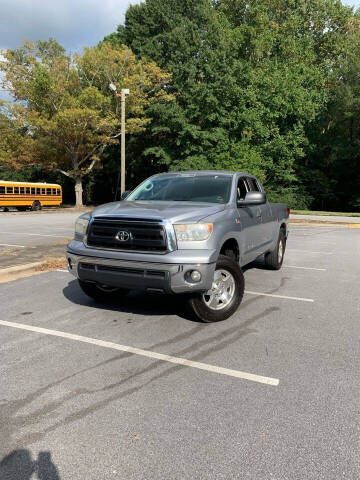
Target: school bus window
pixel 48 191
pixel 38 191
pixel 32 191
pixel 27 190
pixel 22 191
pixel 9 190
pixel 58 191
pixel 16 190
pixel 2 190
pixel 43 191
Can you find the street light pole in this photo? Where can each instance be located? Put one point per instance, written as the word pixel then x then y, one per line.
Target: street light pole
pixel 124 93
pixel 122 184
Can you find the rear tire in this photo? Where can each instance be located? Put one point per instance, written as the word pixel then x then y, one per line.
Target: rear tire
pixel 36 206
pixel 274 259
pixel 103 293
pixel 225 295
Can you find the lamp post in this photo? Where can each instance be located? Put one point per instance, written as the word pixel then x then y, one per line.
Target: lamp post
pixel 125 92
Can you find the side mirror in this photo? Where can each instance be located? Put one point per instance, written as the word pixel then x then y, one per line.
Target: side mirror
pixel 125 194
pixel 252 198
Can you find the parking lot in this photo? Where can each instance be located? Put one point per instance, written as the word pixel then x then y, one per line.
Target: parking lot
pixel 140 390
pixel 32 229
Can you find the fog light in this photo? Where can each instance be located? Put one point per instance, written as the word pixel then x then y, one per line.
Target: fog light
pixel 195 276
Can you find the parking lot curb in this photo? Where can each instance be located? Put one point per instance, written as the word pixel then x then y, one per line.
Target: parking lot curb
pixel 18 271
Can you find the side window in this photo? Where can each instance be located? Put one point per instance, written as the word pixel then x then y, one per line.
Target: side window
pixel 16 190
pixel 27 190
pixel 48 191
pixel 38 191
pixel 54 191
pixel 22 190
pixel 242 189
pixel 58 191
pixel 43 191
pixel 253 185
pixel 9 190
pixel 2 190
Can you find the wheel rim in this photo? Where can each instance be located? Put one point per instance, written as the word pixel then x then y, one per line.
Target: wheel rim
pixel 222 291
pixel 280 251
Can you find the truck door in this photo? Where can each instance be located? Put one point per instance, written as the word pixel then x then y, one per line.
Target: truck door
pixel 249 237
pixel 267 220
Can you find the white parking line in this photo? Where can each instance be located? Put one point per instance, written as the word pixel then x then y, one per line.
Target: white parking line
pixel 10 245
pixel 146 353
pixel 307 251
pixel 280 296
pixel 304 268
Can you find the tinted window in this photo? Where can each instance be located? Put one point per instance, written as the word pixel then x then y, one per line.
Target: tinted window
pixel 253 184
pixel 242 189
pixel 185 188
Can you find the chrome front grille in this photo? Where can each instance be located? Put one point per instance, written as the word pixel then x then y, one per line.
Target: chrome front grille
pixel 127 234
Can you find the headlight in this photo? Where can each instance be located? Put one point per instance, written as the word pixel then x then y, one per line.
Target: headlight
pixel 81 225
pixel 193 232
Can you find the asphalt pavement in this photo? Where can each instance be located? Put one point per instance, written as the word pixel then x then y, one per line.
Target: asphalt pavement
pixel 78 402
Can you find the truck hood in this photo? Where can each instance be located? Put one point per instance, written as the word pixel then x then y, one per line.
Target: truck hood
pixel 175 212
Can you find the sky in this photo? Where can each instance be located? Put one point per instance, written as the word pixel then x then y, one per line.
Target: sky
pixel 73 23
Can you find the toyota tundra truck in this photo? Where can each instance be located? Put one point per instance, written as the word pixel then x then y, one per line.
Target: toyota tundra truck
pixel 180 233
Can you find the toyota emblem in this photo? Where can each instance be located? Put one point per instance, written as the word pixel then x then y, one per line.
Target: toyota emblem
pixel 123 236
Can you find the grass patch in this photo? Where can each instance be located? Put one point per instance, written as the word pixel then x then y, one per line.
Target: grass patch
pixel 338 214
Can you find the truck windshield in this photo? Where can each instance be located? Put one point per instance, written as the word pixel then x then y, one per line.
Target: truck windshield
pixel 185 188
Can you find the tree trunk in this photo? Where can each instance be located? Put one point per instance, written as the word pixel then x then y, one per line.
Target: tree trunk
pixel 78 192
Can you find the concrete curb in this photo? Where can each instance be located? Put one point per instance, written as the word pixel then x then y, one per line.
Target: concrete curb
pixel 18 271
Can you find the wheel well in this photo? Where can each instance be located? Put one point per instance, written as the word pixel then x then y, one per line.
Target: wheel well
pixel 231 249
pixel 283 227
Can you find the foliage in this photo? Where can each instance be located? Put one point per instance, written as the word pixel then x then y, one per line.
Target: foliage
pixel 65 104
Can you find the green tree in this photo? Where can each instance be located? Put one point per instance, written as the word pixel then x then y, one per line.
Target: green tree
pixel 252 77
pixel 65 104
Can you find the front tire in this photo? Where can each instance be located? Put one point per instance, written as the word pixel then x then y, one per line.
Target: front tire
pixel 225 295
pixel 274 259
pixel 103 293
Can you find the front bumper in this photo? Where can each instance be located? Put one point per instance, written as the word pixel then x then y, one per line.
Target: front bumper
pixel 140 275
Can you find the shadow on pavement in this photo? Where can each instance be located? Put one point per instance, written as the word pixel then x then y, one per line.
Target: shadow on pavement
pixel 19 465
pixel 139 303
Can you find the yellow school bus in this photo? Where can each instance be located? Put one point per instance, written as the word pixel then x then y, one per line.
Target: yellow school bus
pixel 24 195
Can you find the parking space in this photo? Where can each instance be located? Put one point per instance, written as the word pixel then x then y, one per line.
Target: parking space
pixel 33 229
pixel 142 391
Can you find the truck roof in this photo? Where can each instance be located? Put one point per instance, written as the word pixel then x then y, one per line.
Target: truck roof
pixel 203 172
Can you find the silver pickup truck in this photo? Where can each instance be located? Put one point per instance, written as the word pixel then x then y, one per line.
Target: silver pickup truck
pixel 181 233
